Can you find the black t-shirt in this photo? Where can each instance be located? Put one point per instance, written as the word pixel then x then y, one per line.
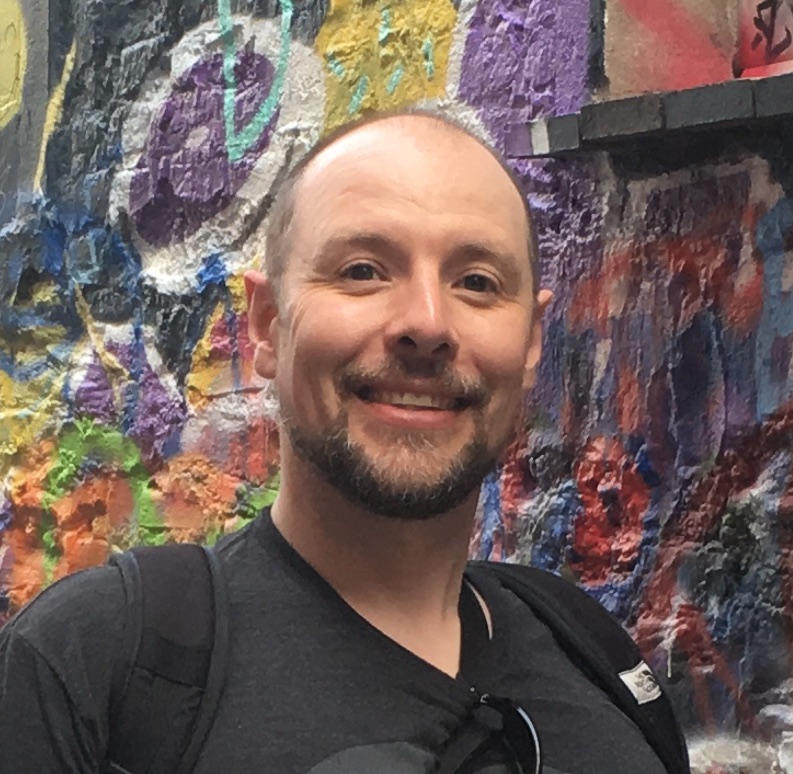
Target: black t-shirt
pixel 312 687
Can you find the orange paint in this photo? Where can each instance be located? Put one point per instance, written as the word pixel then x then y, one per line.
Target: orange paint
pixel 195 496
pixel 96 510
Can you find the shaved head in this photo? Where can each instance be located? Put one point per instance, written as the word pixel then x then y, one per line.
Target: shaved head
pixel 278 245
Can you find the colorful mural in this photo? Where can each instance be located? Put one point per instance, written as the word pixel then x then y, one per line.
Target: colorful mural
pixel 655 469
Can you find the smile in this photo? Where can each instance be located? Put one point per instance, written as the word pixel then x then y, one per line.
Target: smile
pixel 412 400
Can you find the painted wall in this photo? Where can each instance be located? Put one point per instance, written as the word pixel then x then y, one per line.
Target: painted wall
pixel 140 148
pixel 676 44
pixel 765 37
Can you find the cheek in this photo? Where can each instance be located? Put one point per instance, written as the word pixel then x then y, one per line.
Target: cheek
pixel 502 357
pixel 321 340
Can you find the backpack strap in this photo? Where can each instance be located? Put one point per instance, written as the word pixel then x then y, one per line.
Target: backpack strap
pixel 601 648
pixel 168 682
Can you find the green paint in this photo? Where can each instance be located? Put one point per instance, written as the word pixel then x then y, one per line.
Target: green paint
pixel 237 143
pixel 395 78
pixel 357 97
pixel 385 26
pixel 336 67
pixel 52 551
pixel 108 448
pixel 428 49
pixel 252 499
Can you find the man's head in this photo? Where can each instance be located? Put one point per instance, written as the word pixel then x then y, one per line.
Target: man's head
pixel 399 323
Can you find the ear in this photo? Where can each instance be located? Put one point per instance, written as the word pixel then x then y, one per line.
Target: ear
pixel 544 298
pixel 262 323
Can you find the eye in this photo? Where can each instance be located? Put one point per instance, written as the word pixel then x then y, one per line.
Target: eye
pixel 479 283
pixel 360 272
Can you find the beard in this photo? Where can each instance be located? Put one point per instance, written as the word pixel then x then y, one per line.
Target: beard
pixel 387 490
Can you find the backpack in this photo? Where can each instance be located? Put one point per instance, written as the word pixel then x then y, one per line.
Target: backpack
pixel 168 683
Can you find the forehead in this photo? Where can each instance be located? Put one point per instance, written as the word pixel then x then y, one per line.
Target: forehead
pixel 413 169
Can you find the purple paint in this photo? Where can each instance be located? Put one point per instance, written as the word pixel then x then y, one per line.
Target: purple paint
pixel 184 175
pixel 94 397
pixel 158 416
pixel 524 61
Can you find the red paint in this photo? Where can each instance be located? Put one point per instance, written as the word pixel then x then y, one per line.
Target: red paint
pixel 255 453
pixel 691 57
pixel 614 498
pixel 222 344
pixel 630 407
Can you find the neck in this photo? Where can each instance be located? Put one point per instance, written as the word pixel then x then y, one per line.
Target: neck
pixel 402 576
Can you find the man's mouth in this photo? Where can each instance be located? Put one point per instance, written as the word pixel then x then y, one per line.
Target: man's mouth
pixel 412 400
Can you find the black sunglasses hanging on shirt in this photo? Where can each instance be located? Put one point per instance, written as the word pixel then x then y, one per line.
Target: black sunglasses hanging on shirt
pixel 517 734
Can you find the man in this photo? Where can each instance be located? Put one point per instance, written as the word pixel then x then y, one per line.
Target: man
pixel 400 323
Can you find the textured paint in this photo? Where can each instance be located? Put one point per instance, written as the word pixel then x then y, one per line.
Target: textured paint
pixel 765 37
pixel 169 198
pixel 53 115
pixel 655 468
pixel 13 58
pixel 384 54
pixel 240 140
pixel 677 45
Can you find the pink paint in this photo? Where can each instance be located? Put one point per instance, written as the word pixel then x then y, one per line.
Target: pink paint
pixel 692 59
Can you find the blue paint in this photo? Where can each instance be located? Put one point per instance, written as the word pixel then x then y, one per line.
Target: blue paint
pixel 549 550
pixel 213 272
pixel 490 497
pixel 385 26
pixel 394 80
pixel 239 142
pixel 777 315
pixel 336 67
pixel 230 318
pixel 428 49
pixel 358 95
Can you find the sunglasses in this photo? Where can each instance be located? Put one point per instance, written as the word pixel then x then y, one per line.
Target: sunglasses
pixel 518 735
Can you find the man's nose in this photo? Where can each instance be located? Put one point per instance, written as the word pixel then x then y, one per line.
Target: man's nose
pixel 421 323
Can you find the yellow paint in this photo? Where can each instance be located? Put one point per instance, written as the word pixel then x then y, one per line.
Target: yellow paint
pixel 28 412
pixel 13 59
pixel 366 45
pixel 53 114
pixel 236 286
pixel 205 371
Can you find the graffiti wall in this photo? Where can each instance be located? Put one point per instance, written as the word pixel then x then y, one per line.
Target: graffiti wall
pixel 667 46
pixel 766 37
pixel 140 149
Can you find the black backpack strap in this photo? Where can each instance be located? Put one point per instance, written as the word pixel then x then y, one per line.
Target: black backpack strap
pixel 170 677
pixel 602 649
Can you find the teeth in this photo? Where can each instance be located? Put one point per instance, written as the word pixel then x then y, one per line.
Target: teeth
pixel 413 399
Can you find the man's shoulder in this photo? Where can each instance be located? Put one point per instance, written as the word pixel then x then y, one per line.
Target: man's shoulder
pixel 88 602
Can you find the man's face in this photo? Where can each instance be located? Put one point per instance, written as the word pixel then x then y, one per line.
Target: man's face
pixel 405 333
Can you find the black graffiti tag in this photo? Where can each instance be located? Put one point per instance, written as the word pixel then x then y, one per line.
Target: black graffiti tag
pixel 766 26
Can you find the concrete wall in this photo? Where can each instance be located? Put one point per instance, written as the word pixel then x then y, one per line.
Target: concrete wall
pixel 657 470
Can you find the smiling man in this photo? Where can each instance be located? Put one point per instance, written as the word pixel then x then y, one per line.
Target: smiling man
pixel 399 321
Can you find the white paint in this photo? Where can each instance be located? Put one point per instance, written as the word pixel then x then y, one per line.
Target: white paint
pixel 175 268
pixel 540 144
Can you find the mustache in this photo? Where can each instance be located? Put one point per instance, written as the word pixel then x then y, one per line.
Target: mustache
pixel 435 375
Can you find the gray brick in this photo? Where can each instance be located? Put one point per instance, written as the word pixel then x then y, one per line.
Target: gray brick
pixel 563 133
pixel 615 118
pixel 773 96
pixel 717 103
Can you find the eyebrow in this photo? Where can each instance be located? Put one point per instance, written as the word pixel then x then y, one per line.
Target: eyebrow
pixel 370 242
